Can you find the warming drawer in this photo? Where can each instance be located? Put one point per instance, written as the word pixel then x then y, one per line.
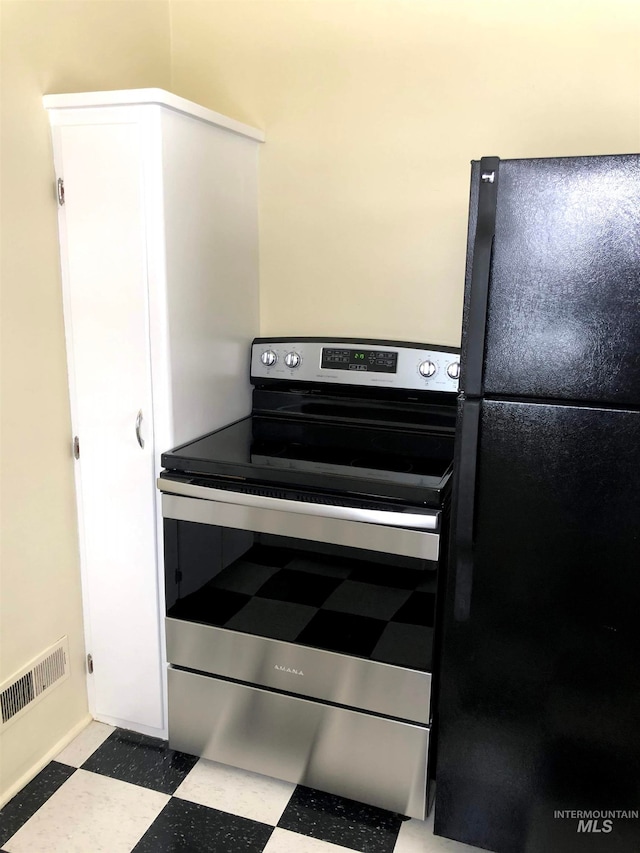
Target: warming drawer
pixel 372 759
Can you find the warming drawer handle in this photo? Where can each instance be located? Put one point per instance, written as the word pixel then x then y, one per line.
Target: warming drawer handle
pixel 412 520
pixel 138 428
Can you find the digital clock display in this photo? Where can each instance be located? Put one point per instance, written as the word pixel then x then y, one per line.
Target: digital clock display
pixel 369 361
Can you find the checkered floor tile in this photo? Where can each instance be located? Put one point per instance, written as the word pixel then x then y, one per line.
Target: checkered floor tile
pixel 117 791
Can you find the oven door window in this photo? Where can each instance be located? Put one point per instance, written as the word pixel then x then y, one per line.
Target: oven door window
pixel 352 601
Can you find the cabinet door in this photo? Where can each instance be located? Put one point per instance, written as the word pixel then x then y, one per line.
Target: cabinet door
pixel 106 317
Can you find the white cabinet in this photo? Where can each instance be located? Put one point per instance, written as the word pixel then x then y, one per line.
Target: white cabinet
pixel 159 255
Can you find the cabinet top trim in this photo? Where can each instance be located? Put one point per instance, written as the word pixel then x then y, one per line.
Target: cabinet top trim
pixel 142 97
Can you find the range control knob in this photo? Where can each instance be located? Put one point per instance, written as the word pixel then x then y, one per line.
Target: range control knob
pixel 268 358
pixel 426 369
pixel 453 371
pixel 292 359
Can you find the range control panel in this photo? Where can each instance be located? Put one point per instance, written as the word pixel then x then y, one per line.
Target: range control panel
pixel 346 361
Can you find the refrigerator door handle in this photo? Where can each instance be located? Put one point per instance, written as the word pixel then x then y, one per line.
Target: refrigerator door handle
pixel 472 365
pixel 465 508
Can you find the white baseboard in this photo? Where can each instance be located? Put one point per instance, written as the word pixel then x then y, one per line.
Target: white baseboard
pixel 117 723
pixel 39 765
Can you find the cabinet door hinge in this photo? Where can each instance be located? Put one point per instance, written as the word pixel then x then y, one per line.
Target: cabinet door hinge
pixel 76 447
pixel 178 576
pixel 90 664
pixel 60 191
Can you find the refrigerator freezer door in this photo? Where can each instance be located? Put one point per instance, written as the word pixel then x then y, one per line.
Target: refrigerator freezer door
pixel 539 712
pixel 563 310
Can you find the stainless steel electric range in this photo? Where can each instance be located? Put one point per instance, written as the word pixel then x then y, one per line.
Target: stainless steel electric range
pixel 303 546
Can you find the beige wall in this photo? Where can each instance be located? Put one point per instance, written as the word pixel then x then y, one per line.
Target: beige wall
pixel 48 47
pixel 373 110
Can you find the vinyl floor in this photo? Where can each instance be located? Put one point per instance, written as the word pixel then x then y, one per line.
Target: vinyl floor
pixel 117 791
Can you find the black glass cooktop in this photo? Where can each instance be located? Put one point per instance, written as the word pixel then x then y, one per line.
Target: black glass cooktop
pixel 396 463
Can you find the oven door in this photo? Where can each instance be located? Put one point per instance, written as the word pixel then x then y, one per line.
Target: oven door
pixel 331 602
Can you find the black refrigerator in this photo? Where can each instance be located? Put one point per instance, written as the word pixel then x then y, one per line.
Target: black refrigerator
pixel 538 747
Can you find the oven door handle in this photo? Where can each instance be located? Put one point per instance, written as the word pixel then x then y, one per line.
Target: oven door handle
pixel 405 518
pixel 382 538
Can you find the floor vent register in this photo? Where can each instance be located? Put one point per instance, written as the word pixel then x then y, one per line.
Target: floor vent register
pixel 34 681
